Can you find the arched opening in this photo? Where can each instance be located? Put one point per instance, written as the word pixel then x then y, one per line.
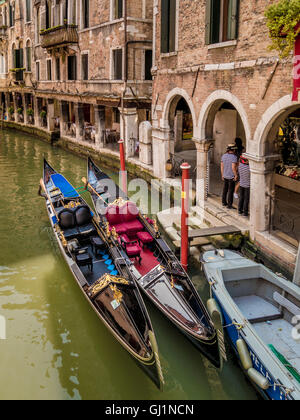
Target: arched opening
pixel 225 126
pixel 283 139
pixel 182 147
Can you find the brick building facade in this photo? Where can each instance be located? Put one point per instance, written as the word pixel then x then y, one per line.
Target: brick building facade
pixel 78 67
pixel 216 80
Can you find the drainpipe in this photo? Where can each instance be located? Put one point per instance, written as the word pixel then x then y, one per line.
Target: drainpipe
pixel 297 269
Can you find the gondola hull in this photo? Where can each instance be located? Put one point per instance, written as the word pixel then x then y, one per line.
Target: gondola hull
pixel 109 295
pixel 156 270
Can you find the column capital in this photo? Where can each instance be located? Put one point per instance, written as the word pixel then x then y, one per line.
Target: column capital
pixel 203 145
pixel 262 164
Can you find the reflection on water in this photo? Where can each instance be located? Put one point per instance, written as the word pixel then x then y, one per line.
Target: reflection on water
pixel 56 347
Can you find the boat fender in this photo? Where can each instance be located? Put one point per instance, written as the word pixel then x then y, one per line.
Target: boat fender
pixel 215 313
pixel 247 364
pixel 244 354
pixel 258 379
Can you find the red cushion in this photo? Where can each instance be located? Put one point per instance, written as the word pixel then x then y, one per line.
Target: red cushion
pixel 145 237
pixel 129 212
pixel 133 250
pixel 125 238
pixel 120 229
pixel 113 215
pixel 134 227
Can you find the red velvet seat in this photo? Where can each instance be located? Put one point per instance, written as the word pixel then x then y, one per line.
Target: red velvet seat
pixel 133 227
pixel 121 228
pixel 133 250
pixel 145 238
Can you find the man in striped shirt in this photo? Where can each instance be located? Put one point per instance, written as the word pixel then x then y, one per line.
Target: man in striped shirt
pixel 229 173
pixel 244 173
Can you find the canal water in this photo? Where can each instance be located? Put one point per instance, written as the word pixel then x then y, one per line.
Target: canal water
pixel 56 347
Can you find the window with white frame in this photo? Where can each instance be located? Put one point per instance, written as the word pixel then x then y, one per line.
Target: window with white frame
pixel 168 26
pixel 117 9
pixel 28 10
pixel 221 21
pixel 49 69
pixel 117 64
pixel 85 14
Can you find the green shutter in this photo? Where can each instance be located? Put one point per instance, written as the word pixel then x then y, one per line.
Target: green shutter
pixel 208 22
pixel 164 26
pixel 233 19
pixel 172 26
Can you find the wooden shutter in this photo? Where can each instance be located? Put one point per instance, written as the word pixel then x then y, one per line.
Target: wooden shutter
pixel 172 26
pixel 208 22
pixel 118 64
pixel 164 25
pixel 233 19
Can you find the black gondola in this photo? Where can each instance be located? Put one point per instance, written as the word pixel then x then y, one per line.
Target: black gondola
pixel 101 269
pixel 155 267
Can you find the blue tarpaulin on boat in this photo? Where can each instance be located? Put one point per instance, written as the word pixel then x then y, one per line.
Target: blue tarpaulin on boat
pixel 65 187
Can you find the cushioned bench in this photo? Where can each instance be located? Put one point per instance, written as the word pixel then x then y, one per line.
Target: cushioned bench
pixel 124 219
pixel 76 222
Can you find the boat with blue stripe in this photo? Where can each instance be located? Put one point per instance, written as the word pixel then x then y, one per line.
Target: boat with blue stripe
pixel 102 271
pixel 261 316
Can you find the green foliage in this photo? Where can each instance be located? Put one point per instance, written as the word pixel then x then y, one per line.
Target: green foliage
pixel 30 111
pixel 43 114
pixel 20 111
pixel 282 20
pixel 11 110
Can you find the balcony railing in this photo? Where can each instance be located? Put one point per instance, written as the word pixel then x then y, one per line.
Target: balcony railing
pixel 59 36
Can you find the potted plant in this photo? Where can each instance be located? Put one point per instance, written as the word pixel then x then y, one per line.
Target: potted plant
pixel 43 116
pixel 11 110
pixel 283 21
pixel 30 114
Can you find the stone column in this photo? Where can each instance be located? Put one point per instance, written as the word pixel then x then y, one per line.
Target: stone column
pixel 79 121
pixel 63 118
pixel 145 136
pixel 99 125
pixel 37 119
pixel 15 106
pixel 161 150
pixel 50 115
pixel 7 106
pixel 129 129
pixel 203 147
pixel 262 191
pixel 25 109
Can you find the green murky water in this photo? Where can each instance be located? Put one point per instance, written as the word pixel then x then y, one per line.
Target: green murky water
pixel 56 347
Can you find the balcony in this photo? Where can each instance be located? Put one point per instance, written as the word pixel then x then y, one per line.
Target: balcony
pixel 3 32
pixel 17 75
pixel 59 36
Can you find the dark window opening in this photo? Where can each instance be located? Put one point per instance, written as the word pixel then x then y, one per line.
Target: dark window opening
pixel 221 20
pixel 28 10
pixel 72 67
pixel 57 65
pixel 85 66
pixel 168 26
pixel 28 57
pixel 86 13
pixel 118 64
pixel 148 64
pixel 49 70
pixel 118 9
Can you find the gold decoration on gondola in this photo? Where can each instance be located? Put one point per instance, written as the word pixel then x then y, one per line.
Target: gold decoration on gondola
pixel 107 230
pixel 105 281
pixel 155 226
pixel 118 295
pixel 172 282
pixel 61 236
pixel 119 202
pixel 72 205
pixel 114 234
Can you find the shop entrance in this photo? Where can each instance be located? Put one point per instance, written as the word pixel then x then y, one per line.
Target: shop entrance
pixel 285 208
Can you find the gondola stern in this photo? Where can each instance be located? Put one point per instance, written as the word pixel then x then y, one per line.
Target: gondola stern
pixel 159 380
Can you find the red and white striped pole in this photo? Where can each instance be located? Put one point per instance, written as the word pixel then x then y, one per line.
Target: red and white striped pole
pixel 123 172
pixel 185 167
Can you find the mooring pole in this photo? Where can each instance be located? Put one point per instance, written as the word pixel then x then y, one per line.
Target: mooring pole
pixel 185 167
pixel 123 172
pixel 297 269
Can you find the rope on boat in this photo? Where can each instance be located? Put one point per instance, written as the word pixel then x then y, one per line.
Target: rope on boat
pixel 235 324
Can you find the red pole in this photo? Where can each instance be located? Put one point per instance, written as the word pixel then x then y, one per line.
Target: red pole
pixel 185 215
pixel 123 166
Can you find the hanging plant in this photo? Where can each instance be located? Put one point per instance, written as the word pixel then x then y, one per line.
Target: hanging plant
pixel 11 110
pixel 30 112
pixel 20 111
pixel 283 21
pixel 43 114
